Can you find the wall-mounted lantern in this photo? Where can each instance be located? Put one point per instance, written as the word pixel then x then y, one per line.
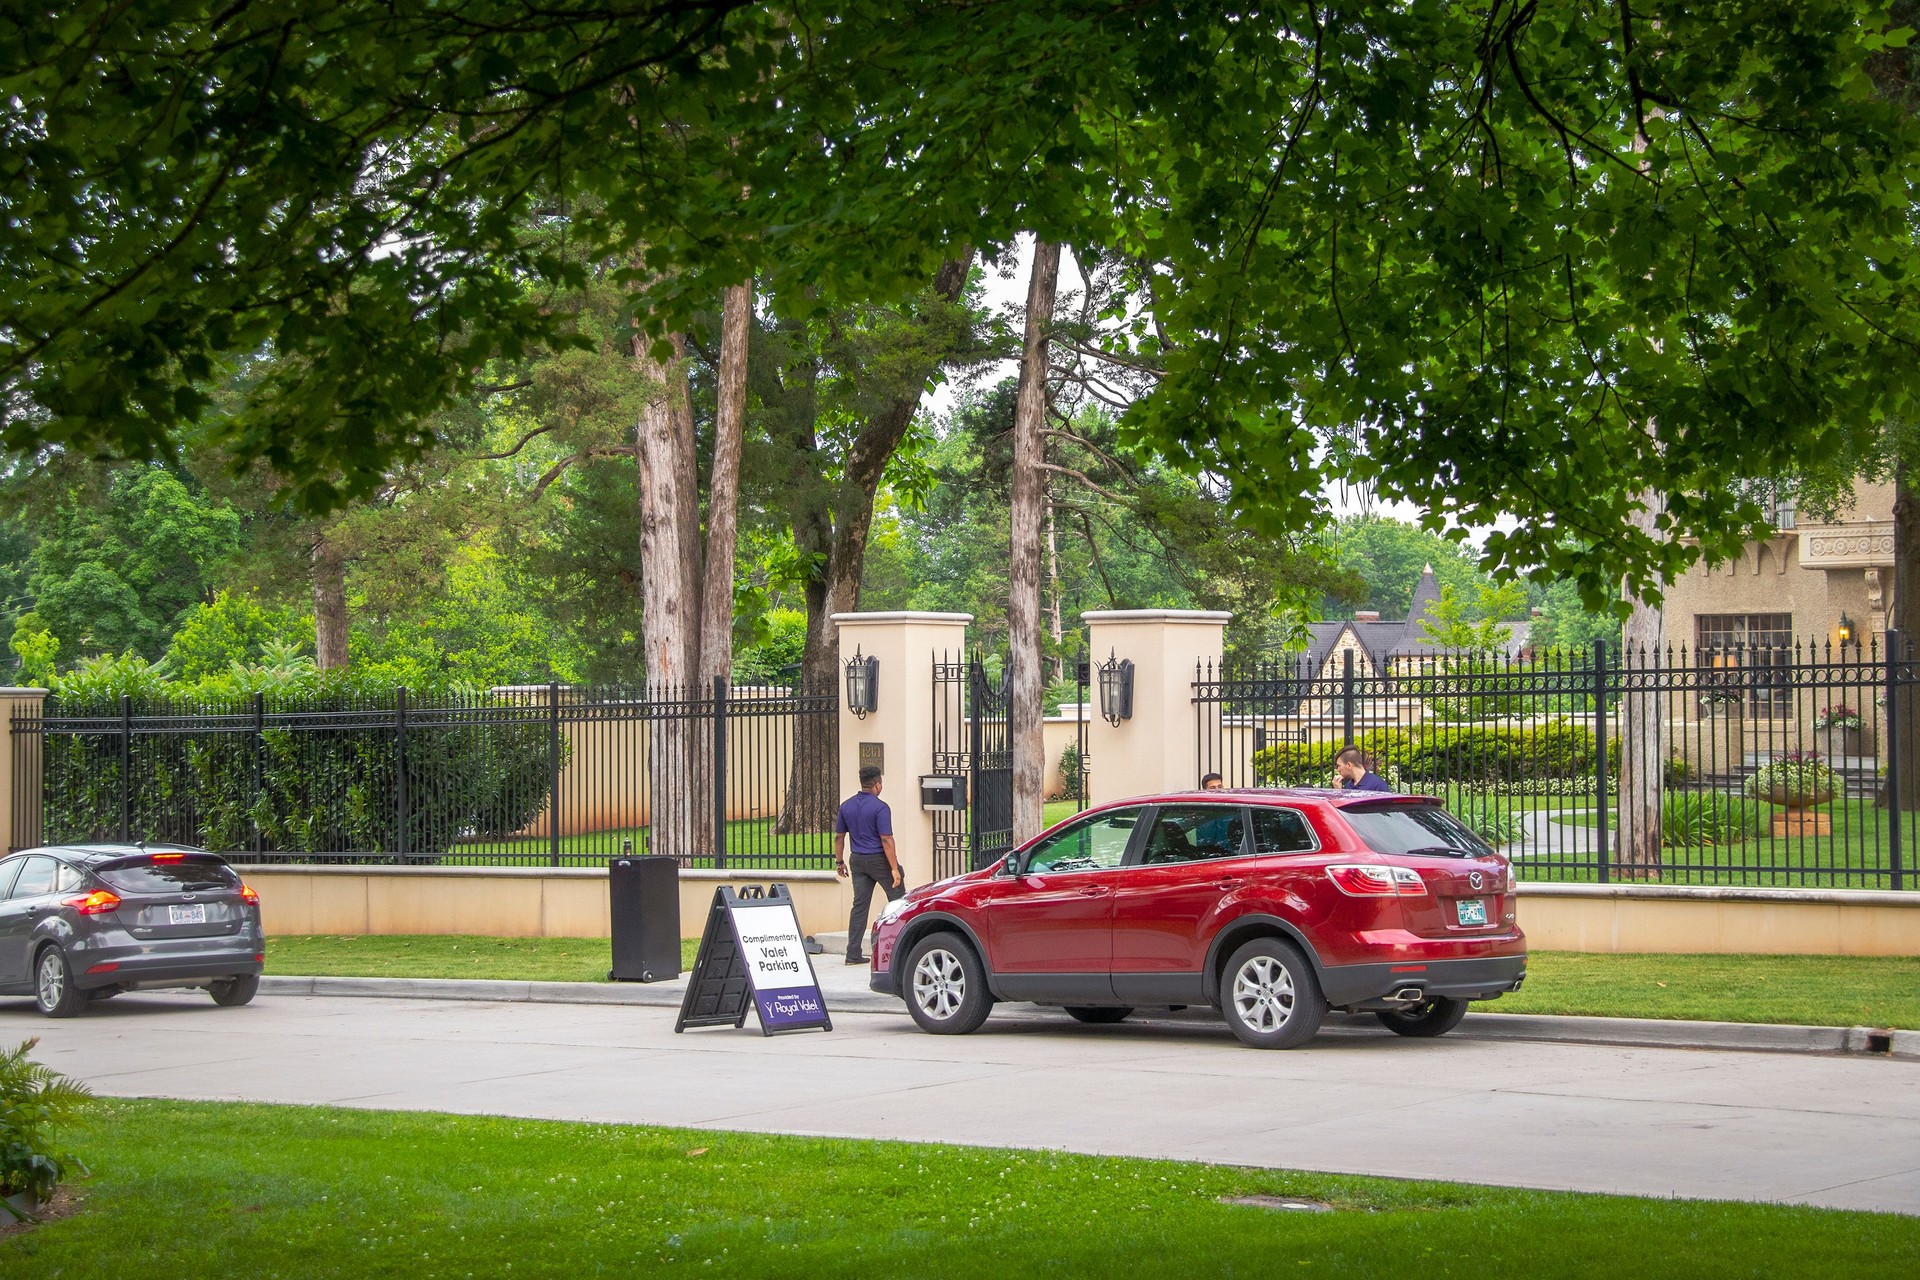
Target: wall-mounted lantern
pixel 1846 629
pixel 863 684
pixel 1116 689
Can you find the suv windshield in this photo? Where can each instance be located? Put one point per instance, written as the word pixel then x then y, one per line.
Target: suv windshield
pixel 186 876
pixel 1413 828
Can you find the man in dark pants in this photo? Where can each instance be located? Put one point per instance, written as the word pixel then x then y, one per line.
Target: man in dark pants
pixel 866 820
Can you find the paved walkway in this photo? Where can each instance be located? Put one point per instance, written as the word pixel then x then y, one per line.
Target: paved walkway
pixel 1665 1122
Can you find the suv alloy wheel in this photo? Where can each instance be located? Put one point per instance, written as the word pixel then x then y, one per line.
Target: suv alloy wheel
pixel 946 985
pixel 1270 995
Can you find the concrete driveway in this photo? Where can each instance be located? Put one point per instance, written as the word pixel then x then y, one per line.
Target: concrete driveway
pixel 1843 1132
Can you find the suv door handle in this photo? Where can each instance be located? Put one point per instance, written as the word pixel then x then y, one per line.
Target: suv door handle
pixel 1094 890
pixel 1228 882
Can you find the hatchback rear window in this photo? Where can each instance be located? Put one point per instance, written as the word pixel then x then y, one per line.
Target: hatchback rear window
pixel 1413 828
pixel 186 876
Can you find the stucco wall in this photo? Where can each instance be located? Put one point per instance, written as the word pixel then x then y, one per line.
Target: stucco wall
pixel 507 902
pixel 1711 920
pixel 535 902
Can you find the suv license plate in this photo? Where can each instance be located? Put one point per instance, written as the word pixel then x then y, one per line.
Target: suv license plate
pixel 197 914
pixel 1472 910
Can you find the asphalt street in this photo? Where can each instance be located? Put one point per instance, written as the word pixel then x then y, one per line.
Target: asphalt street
pixel 1837 1131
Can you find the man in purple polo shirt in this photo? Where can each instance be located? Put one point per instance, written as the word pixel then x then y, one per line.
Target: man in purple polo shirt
pixel 866 822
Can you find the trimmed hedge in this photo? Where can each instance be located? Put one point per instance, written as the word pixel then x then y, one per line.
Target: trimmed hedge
pixel 473 768
pixel 1437 754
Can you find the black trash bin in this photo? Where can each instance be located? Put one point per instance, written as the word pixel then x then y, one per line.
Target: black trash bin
pixel 645 894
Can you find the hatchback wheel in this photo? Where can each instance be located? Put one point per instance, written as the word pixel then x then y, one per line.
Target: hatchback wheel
pixel 1098 1015
pixel 1434 1017
pixel 1270 996
pixel 946 986
pixel 234 991
pixel 53 988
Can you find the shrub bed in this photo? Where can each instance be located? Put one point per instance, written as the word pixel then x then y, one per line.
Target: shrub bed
pixel 330 778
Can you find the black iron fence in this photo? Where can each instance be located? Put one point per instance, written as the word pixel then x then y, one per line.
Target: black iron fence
pixel 1741 766
pixel 972 741
pixel 533 776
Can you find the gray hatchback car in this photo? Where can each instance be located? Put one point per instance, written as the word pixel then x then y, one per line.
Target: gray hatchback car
pixel 85 922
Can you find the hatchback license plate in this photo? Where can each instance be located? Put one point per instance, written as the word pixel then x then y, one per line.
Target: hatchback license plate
pixel 196 914
pixel 1472 910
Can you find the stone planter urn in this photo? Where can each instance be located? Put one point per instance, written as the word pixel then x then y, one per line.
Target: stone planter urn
pixel 1789 796
pixel 1802 822
pixel 1797 815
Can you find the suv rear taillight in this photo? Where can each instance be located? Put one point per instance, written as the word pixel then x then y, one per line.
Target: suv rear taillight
pixel 1370 880
pixel 98 903
pixel 248 896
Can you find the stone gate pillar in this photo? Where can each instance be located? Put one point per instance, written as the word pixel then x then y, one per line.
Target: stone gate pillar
pixel 898 733
pixel 20 770
pixel 1157 749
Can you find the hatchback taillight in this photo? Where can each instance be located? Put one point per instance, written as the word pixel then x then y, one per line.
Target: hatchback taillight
pixel 1369 880
pixel 248 896
pixel 98 903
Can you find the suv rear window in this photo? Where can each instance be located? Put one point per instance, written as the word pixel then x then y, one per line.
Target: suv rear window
pixel 1413 828
pixel 186 876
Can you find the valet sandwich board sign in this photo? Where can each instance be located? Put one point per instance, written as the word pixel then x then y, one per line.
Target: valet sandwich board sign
pixel 752 956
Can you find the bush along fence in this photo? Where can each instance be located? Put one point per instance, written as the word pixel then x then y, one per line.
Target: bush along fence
pixel 530 776
pixel 1788 766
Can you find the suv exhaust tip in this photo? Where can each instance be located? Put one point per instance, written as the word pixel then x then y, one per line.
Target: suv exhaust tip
pixel 1406 995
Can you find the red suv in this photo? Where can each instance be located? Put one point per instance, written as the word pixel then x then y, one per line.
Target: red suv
pixel 1272 906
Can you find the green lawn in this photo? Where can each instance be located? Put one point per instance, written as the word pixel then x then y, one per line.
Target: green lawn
pixel 1854 855
pixel 211 1190
pixel 1059 811
pixel 1840 991
pixel 451 956
pixel 751 843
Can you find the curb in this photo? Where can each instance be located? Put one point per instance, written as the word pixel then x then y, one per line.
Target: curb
pixel 654 995
pixel 1652 1033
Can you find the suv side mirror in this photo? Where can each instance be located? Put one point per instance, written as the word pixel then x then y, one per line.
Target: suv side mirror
pixel 1011 867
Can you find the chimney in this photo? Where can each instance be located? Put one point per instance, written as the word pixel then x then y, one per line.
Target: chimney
pixel 1366 615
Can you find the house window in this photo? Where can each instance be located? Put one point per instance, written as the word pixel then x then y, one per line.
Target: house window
pixel 1755 650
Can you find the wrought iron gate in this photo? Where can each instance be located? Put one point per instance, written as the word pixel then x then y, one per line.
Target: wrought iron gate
pixel 971 739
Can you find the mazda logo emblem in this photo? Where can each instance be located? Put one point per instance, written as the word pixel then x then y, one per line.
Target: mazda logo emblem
pixel 1476 879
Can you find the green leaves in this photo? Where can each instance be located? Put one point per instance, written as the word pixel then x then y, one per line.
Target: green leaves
pixel 1462 267
pixel 1534 260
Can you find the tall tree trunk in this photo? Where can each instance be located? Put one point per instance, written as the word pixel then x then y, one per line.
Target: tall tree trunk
pixel 841 534
pixel 1025 692
pixel 1642 737
pixel 723 486
pixel 1055 627
pixel 669 624
pixel 329 569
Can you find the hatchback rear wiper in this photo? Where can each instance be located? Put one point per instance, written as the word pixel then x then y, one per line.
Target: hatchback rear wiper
pixel 1444 850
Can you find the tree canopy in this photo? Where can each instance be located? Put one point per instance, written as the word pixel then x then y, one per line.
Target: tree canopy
pixel 1520 257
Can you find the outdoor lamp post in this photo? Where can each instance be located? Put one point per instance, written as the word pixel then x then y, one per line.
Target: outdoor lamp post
pixel 1116 689
pixel 863 684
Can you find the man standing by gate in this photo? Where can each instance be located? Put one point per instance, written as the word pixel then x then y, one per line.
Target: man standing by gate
pixel 867 822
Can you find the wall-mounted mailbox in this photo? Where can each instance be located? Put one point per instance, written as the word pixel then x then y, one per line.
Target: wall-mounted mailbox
pixel 943 792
